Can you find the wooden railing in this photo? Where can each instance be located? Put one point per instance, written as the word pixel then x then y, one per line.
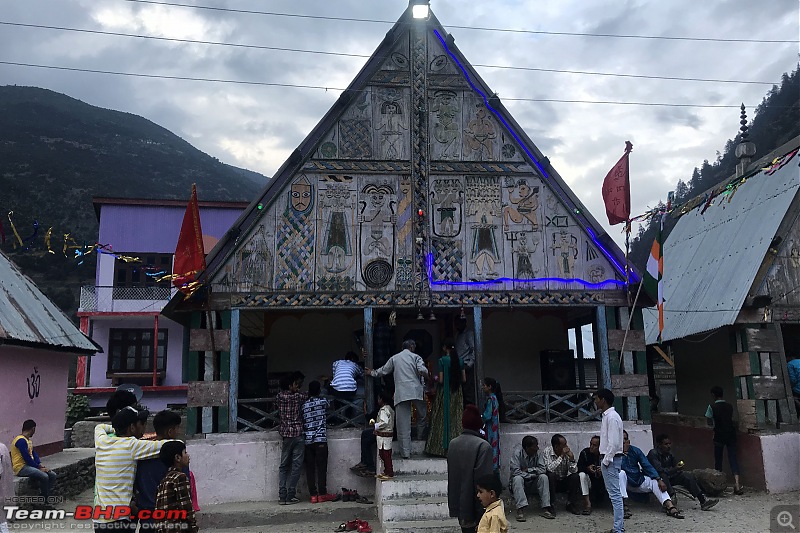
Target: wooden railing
pixel 529 407
pixel 261 414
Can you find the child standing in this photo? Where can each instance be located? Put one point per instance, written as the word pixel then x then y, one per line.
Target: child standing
pixel 494 515
pixel 491 420
pixel 384 430
pixel 315 427
pixel 174 492
pixel 289 400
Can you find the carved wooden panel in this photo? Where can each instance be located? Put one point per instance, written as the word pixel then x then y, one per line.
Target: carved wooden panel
pixel 634 342
pixel 628 385
pixel 337 249
pixel 207 393
pixel 200 340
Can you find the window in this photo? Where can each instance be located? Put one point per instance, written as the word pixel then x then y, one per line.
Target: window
pixel 143 274
pixel 131 350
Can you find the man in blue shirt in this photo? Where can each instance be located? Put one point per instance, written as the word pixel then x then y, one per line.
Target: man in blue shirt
pixel 638 475
pixel 794 374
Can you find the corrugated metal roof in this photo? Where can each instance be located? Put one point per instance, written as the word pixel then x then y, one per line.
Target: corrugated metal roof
pixel 28 316
pixel 711 259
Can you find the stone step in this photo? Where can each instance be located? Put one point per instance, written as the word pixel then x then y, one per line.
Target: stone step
pixel 420 465
pixel 423 526
pixel 412 486
pixel 413 509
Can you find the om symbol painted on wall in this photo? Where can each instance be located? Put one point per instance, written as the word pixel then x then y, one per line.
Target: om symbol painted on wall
pixel 34 383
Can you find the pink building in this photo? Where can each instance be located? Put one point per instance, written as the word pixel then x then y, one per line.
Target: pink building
pixel 120 312
pixel 37 344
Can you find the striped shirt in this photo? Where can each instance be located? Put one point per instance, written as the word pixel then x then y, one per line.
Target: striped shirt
pixel 115 463
pixel 315 418
pixel 345 373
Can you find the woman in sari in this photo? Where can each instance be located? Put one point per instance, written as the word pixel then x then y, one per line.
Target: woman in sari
pixel 448 406
pixel 491 418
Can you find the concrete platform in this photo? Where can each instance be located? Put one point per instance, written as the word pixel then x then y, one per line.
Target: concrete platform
pixel 74 468
pixel 272 515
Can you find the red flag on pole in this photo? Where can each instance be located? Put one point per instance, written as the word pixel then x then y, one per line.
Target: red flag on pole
pixel 190 258
pixel 617 190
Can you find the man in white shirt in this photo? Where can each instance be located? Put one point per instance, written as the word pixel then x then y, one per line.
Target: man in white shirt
pixel 409 371
pixel 563 475
pixel 611 453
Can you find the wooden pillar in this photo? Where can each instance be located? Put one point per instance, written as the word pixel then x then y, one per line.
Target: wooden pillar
pixel 155 351
pixel 627 364
pixel 601 348
pixel 479 368
pixel 233 389
pixel 786 407
pixel 369 337
pixel 82 372
pixel 192 373
pixel 579 351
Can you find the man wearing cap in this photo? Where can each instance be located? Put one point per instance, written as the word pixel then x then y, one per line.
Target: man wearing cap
pixel 468 458
pixel 117 449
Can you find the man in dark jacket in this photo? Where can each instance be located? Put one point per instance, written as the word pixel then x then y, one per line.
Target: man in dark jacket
pixel 638 475
pixel 468 458
pixel 664 462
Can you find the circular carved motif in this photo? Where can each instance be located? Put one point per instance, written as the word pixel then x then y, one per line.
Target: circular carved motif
pixel 378 273
pixel 400 60
pixel 508 150
pixel 328 149
pixel 438 63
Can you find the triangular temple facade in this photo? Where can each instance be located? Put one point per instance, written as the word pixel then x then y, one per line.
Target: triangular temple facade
pixel 419 193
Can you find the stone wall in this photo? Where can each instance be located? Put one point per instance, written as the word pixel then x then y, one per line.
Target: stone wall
pixel 83 431
pixel 75 471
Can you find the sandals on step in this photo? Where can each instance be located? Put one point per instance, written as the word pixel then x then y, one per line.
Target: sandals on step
pixel 674 512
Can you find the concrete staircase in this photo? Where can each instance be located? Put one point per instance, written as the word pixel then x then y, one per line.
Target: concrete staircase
pixel 416 499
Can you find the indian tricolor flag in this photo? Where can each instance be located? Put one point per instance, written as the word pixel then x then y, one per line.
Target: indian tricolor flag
pixel 655 272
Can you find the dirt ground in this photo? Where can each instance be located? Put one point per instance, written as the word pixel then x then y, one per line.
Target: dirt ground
pixel 749 513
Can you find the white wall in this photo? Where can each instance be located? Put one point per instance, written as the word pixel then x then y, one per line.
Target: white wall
pixel 781 456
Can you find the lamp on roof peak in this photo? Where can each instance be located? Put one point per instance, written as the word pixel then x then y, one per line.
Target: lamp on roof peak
pixel 420 9
pixel 746 148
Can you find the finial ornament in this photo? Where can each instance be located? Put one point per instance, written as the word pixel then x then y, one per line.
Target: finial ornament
pixel 743 122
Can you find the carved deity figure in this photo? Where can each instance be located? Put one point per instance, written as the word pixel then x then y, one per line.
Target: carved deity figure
pixel 393 125
pixel 565 250
pixel 480 133
pixel 445 131
pixel 523 206
pixel 523 251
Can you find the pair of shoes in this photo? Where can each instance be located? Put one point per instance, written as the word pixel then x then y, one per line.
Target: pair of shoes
pixel 315 499
pixel 322 498
pixel 708 504
pixel 383 477
pixel 521 515
pixel 547 514
pixel 361 526
pixel 347 495
pixel 291 501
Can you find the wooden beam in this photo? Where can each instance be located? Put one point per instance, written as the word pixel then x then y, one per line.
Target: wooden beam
pixel 787 409
pixel 629 385
pixel 233 390
pixel 666 358
pixel 207 393
pixel 761 340
pixel 369 341
pixel 634 342
pixel 741 364
pixel 602 349
pixel 200 340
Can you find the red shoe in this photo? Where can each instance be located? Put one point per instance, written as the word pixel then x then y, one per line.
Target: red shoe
pixel 353 525
pixel 328 498
pixel 364 527
pixel 315 499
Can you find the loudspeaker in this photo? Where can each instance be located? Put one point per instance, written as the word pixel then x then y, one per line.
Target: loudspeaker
pixel 558 370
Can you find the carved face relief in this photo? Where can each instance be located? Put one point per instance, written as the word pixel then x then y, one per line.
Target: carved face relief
pixel 301 195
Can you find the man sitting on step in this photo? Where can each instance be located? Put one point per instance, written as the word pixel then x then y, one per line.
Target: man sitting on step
pixel 528 475
pixel 664 462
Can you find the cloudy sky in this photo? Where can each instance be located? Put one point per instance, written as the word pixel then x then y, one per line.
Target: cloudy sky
pixel 256 127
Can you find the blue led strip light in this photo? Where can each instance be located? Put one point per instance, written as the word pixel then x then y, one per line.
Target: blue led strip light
pixel 524 147
pixel 514 280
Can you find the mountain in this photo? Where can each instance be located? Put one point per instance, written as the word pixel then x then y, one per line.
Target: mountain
pixel 776 121
pixel 57 152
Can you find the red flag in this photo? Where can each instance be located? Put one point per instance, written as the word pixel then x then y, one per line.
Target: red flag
pixel 190 258
pixel 617 190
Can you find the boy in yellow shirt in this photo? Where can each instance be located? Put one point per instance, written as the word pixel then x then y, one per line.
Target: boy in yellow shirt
pixel 494 515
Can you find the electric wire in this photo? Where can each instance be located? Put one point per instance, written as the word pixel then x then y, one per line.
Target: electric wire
pixel 480 28
pixel 365 56
pixel 325 88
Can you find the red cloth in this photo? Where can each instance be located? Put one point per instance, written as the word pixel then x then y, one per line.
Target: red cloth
pixel 617 190
pixel 190 258
pixel 386 457
pixel 193 487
